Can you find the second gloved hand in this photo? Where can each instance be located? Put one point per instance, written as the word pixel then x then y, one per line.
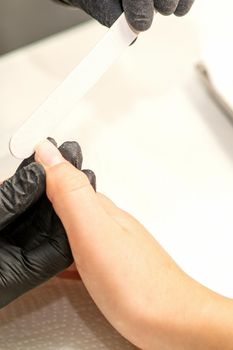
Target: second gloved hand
pixel 139 13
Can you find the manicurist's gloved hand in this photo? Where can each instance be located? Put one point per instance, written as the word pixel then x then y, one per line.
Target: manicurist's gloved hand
pixel 33 242
pixel 134 282
pixel 139 13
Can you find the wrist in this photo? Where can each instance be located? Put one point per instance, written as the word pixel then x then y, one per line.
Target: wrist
pixel 190 318
pixel 218 322
pixel 187 317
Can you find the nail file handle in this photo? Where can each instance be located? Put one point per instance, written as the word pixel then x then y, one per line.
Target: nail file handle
pixel 62 101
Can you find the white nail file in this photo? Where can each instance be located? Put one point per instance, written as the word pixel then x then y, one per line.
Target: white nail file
pixel 66 96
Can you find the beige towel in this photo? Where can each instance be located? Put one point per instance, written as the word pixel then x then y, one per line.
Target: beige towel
pixel 59 315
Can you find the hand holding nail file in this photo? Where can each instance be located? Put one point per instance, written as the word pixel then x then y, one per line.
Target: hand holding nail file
pixel 66 96
pixel 139 13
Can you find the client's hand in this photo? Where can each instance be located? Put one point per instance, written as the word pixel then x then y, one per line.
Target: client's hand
pixel 134 282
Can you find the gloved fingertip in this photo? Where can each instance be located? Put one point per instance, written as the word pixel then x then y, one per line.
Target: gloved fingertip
pixel 52 141
pixel 166 8
pixel 179 14
pixel 139 14
pixel 183 7
pixel 72 152
pixel 91 177
pixel 139 24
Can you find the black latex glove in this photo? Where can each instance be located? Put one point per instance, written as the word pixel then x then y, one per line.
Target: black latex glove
pixel 33 243
pixel 139 13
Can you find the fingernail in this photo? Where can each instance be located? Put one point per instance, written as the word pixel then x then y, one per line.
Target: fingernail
pixel 47 154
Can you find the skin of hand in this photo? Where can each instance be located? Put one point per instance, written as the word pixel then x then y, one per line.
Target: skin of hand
pixel 139 13
pixel 133 281
pixel 33 242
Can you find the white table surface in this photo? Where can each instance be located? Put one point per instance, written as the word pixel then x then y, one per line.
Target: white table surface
pixel 158 144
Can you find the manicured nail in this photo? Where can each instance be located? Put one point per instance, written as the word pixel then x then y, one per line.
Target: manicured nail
pixel 47 154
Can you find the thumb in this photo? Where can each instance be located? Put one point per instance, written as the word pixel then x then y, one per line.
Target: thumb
pixel 72 197
pixel 98 244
